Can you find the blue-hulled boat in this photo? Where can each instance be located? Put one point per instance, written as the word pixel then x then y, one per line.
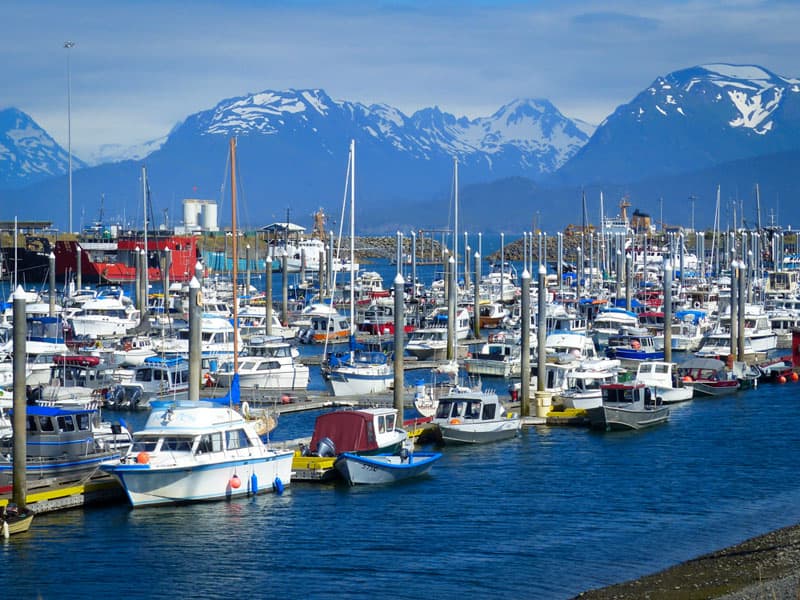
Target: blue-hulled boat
pixel 384 468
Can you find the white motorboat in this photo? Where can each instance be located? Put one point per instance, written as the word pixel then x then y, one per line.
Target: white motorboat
pixel 663 381
pixel 106 316
pixel 584 389
pixel 475 417
pixel 157 378
pixel 627 406
pixel 359 372
pixel 194 451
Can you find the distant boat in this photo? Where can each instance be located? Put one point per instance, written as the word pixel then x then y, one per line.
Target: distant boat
pixel 475 418
pixel 627 406
pixel 708 377
pixel 384 468
pixel 663 380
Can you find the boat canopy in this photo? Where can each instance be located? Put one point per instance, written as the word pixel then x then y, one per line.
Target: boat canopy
pixel 349 430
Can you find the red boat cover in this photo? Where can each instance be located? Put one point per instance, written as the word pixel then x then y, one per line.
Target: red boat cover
pixel 80 360
pixel 349 430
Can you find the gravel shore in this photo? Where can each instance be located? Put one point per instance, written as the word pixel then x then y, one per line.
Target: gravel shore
pixel 765 567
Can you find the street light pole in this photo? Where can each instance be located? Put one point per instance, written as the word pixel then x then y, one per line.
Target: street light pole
pixel 69 45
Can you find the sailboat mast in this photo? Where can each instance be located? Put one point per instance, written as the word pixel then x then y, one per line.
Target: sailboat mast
pixel 455 224
pixel 352 236
pixel 235 250
pixel 145 267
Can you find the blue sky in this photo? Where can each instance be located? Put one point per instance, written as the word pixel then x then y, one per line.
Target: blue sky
pixel 138 68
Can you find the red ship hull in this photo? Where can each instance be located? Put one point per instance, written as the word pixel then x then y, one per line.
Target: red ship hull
pixel 114 261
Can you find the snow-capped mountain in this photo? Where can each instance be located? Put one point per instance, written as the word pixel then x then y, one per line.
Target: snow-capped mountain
pixel 27 153
pixel 533 133
pixel 693 119
pixel 111 153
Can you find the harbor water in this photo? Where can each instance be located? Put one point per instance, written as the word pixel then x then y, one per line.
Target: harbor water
pixel 547 515
pixel 554 512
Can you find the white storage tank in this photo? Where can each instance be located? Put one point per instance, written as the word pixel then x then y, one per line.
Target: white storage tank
pixel 209 218
pixel 191 212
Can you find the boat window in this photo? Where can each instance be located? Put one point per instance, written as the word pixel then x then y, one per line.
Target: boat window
pixel 182 376
pixel 176 444
pixel 46 424
pixel 381 424
pixel 210 443
pixel 443 410
pixel 158 375
pixel 66 423
pixel 389 422
pixel 661 368
pixel 84 421
pixel 144 375
pixel 147 444
pixel 489 411
pixel 236 439
pixel 31 423
pixel 473 410
pixel 459 409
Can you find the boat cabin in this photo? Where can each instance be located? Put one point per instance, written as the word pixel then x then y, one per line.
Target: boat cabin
pixel 364 431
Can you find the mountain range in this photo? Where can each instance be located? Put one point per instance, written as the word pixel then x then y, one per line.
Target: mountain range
pixel 683 135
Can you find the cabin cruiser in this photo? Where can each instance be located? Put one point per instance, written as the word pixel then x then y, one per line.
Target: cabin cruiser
pixel 192 451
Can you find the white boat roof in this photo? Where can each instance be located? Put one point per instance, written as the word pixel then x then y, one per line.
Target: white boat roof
pixel 191 418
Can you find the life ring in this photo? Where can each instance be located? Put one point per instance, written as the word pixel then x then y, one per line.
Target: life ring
pixel 127 346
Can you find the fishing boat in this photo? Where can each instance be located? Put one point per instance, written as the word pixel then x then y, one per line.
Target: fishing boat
pixel 663 380
pixel 384 468
pixel 365 431
pixel 64 444
pixel 157 378
pixel 475 418
pixel 359 372
pixel 627 406
pixel 585 384
pixel 195 451
pixel 708 377
pixel 631 349
pixel 495 359
pixel 269 363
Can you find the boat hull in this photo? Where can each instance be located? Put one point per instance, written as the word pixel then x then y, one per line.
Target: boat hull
pixel 715 388
pixel 148 485
pixel 611 418
pixel 481 433
pixel 353 383
pixel 384 468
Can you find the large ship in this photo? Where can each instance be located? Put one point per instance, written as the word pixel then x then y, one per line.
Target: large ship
pixel 106 258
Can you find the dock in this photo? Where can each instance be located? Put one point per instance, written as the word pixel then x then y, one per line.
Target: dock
pixel 51 495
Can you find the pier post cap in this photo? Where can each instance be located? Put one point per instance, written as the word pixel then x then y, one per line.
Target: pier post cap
pixel 451 260
pixel 542 269
pixel 52 255
pixel 477 255
pixel 525 274
pixel 194 284
pixel 398 280
pixel 19 293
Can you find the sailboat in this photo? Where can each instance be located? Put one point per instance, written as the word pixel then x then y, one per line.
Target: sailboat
pixel 192 451
pixel 357 372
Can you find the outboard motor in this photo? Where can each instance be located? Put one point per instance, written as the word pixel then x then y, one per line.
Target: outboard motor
pixel 326 447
